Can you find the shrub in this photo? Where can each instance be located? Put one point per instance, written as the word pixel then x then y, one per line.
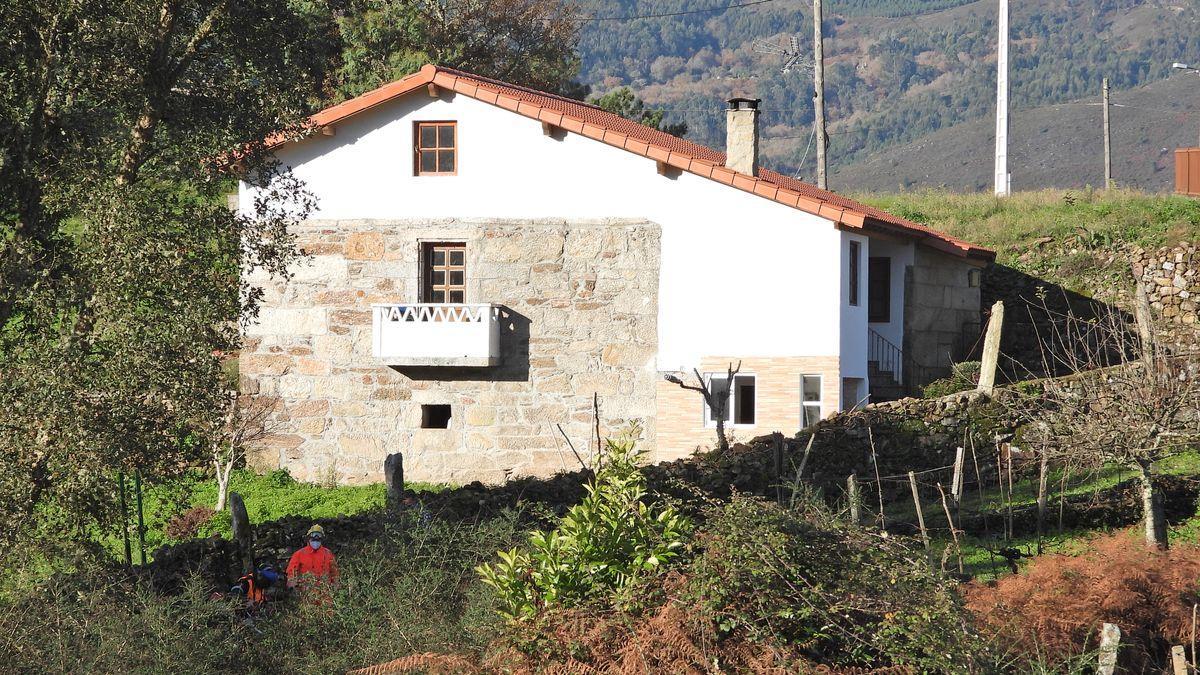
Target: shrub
pixel 1059 603
pixel 847 596
pixel 603 547
pixel 416 595
pixel 187 524
pixel 964 376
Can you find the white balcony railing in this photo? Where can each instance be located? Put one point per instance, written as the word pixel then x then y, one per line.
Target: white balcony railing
pixel 437 334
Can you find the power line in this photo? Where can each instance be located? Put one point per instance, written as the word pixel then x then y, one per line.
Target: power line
pixel 735 5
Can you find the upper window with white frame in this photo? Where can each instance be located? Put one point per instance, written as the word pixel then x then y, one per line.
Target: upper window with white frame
pixel 810 400
pixel 740 407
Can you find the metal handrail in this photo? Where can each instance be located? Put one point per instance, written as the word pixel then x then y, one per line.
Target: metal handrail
pixel 887 355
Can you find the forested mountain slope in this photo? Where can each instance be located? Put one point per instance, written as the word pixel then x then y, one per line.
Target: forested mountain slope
pixel 1049 146
pixel 896 70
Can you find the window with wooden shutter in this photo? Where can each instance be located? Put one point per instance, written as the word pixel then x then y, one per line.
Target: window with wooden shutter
pixel 435 148
pixel 445 271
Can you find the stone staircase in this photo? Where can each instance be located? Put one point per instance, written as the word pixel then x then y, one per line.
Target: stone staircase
pixel 884 386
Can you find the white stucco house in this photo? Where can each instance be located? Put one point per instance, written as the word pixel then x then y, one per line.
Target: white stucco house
pixel 486 260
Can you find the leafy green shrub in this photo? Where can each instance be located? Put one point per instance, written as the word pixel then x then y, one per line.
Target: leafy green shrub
pixel 846 595
pixel 603 547
pixel 963 377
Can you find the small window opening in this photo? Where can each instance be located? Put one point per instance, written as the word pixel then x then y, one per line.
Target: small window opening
pixel 852 269
pixel 810 392
pixel 739 408
pixel 435 416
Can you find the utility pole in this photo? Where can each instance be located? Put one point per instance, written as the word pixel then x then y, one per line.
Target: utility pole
pixel 1107 142
pixel 1001 179
pixel 819 92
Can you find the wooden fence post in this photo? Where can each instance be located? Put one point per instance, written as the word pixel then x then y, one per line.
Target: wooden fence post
pixel 777 442
pixel 243 536
pixel 956 484
pixel 852 494
pixel 1110 641
pixel 991 349
pixel 953 531
pixel 878 481
pixel 912 481
pixel 1179 660
pixel 1043 471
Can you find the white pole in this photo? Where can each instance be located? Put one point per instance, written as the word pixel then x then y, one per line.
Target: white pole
pixel 1002 178
pixel 1107 142
pixel 819 92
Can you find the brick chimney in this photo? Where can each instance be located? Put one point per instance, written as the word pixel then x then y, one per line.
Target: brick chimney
pixel 741 135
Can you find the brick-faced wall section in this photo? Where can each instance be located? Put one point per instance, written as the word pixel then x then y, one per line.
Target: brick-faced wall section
pixel 681 428
pixel 581 310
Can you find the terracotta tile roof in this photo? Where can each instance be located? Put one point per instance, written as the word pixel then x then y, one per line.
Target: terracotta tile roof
pixel 601 125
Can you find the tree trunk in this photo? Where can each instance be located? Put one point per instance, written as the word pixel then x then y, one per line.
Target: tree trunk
pixel 1154 516
pixel 223 472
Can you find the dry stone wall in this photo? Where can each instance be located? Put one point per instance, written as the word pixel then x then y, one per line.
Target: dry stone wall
pixel 580 317
pixel 1171 277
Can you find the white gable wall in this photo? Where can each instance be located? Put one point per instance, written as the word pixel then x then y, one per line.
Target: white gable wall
pixel 739 274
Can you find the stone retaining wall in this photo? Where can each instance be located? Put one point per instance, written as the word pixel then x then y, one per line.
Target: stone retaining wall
pixel 1171 277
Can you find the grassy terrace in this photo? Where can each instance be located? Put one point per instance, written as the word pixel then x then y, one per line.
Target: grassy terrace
pixel 978 561
pixel 268 497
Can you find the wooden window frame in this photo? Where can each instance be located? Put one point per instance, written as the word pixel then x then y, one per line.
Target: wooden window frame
pixel 428 288
pixel 417 147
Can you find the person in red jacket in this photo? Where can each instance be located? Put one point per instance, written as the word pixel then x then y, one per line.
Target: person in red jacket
pixel 313 568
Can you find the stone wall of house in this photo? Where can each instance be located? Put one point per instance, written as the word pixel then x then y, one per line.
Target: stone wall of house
pixel 942 312
pixel 580 318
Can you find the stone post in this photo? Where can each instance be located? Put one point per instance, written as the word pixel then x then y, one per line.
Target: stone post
pixel 243 536
pixel 1110 640
pixel 991 349
pixel 393 475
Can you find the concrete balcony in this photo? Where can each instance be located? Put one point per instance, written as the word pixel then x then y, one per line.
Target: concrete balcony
pixel 447 335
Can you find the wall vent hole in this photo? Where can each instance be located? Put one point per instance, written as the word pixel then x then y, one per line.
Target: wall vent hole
pixel 435 416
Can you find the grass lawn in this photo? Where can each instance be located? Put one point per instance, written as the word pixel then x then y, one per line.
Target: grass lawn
pixel 983 564
pixel 268 497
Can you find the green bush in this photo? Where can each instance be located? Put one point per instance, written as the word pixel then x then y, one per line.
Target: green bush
pixel 963 377
pixel 848 596
pixel 602 548
pixel 416 595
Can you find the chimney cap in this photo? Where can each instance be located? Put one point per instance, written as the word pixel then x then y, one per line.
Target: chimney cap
pixel 744 103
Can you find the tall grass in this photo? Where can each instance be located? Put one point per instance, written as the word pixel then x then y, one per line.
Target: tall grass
pixel 416 595
pixel 1011 225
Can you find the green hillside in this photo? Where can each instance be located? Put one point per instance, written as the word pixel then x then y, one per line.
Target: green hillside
pixel 897 70
pixel 1073 238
